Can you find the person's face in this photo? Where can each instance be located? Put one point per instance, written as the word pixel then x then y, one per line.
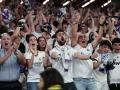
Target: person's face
pixel 84 28
pixel 104 49
pixel 77 15
pixel 65 27
pixel 116 47
pixel 82 39
pixel 6 41
pixel 13 25
pixel 31 12
pixel 61 39
pixel 89 22
pixel 33 42
pixel 41 84
pixel 42 42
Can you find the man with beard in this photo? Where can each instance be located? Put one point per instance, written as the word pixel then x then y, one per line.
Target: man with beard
pixel 10 60
pixel 61 58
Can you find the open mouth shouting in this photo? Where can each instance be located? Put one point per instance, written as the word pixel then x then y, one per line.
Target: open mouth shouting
pixel 6 44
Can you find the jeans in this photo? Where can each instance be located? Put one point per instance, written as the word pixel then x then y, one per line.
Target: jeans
pixel 85 84
pixel 32 86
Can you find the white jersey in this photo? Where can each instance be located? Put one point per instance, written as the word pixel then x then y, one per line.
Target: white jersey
pixel 98 75
pixel 64 63
pixel 83 68
pixel 37 67
pixel 115 73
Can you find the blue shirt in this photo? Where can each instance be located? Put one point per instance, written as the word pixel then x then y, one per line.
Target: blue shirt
pixel 10 69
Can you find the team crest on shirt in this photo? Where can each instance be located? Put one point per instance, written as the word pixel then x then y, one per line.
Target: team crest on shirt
pixel 116 61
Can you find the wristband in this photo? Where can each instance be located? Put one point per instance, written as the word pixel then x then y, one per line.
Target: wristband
pixel 93 59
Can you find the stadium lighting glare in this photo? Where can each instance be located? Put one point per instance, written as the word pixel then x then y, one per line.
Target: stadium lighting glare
pixel 91 1
pixel 21 2
pixel 66 3
pixel 1 1
pixel 86 4
pixel 105 4
pixel 46 1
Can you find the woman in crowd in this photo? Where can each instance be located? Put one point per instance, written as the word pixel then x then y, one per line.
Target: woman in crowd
pixel 10 60
pixel 42 46
pixel 36 61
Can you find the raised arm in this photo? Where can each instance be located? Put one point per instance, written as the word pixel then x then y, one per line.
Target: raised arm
pixel 100 34
pixel 74 36
pixel 84 57
pixel 74 23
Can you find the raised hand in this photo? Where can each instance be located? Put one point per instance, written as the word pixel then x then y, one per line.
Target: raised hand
pixel 31 50
pixel 102 19
pixel 55 55
pixel 16 45
pixel 75 17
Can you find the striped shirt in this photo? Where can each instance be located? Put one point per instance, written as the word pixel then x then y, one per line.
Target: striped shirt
pixel 10 69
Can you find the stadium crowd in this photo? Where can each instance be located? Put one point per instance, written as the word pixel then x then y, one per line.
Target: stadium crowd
pixel 63 48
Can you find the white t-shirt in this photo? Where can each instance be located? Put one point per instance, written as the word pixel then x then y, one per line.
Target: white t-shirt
pixel 37 68
pixel 99 76
pixel 83 68
pixel 64 63
pixel 115 73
